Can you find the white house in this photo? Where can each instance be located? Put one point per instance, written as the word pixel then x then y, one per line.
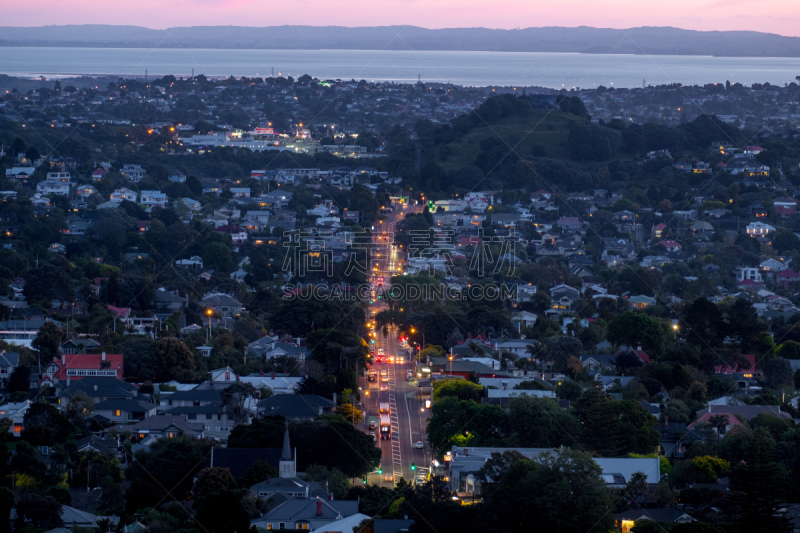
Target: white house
pixel 153 198
pixel 757 229
pixel 134 173
pixel 751 273
pixel 124 194
pixel 52 187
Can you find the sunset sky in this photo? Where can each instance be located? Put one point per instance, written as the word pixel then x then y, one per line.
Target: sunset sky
pixel 774 16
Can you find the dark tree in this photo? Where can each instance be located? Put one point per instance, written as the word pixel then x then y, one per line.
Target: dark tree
pixel 48 341
pixel 48 283
pixel 41 511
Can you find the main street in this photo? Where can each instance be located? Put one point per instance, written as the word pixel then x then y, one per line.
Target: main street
pixel 407 413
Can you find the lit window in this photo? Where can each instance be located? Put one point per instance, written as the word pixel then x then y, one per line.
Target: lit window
pixel 118 412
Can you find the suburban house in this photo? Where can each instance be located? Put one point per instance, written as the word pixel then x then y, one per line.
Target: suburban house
pixel 124 194
pixel 123 411
pixel 73 367
pixel 168 426
pixel 313 514
pixel 295 406
pixel 133 173
pixel 153 198
pixel 15 411
pixel 222 304
pixel 8 362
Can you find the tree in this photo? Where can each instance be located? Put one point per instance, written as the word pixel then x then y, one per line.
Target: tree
pixel 45 425
pixel 459 388
pixel 7 502
pixel 20 380
pixel 559 492
pixel 175 360
pixel 788 350
pixel 48 341
pixel 779 373
pixel 165 472
pixel 636 329
pixel 237 395
pixel 636 487
pixel 350 412
pixel 79 408
pixel 540 423
pixel 744 324
pixel 41 511
pixel 706 326
pixel 256 473
pixel 48 283
pixel 215 489
pixel 113 498
pixel 758 484
pixel 562 348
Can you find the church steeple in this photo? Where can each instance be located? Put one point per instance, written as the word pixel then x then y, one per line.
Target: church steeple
pixel 287 465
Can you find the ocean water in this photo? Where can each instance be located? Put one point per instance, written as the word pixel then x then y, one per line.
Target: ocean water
pixel 527 69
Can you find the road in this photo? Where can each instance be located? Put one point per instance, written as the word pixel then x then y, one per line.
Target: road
pixel 407 414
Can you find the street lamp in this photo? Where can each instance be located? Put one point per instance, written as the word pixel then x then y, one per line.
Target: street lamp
pixel 209 312
pixel 423 336
pixel 451 364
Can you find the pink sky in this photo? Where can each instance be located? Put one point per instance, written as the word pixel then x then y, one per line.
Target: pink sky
pixel 774 16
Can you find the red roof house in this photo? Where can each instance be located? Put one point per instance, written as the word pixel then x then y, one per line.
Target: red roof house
pixel 788 279
pixel 81 365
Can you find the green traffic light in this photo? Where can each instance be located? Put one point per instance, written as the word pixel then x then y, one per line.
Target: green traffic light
pixel 380 470
pixel 413 466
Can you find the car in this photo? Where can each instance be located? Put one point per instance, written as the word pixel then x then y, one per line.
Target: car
pixel 373 425
pixel 384 379
pixel 374 437
pixel 384 372
pixel 380 351
pixel 419 480
pixel 419 445
pixel 384 387
pixel 388 477
pixel 378 359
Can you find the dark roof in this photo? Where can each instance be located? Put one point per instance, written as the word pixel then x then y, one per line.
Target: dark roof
pixel 295 400
pixel 388 525
pixel 160 422
pixel 209 408
pixel 9 359
pixel 746 411
pixel 302 509
pixel 238 460
pixel 207 395
pixel 124 405
pixel 292 412
pixel 96 443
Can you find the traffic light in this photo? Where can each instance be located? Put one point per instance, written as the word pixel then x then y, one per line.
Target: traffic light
pixel 364 480
pixel 413 466
pixel 380 470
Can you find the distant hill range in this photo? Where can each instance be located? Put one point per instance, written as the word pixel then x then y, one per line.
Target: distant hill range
pixel 645 40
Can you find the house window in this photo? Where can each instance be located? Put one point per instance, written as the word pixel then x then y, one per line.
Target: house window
pixel 227 376
pixel 117 413
pixel 281 525
pixel 17 429
pixel 171 434
pixel 196 403
pixel 209 416
pixel 301 526
pixel 191 417
pixel 216 428
pixel 269 526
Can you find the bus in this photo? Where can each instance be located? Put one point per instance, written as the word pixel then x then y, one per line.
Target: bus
pixel 384 408
pixel 386 430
